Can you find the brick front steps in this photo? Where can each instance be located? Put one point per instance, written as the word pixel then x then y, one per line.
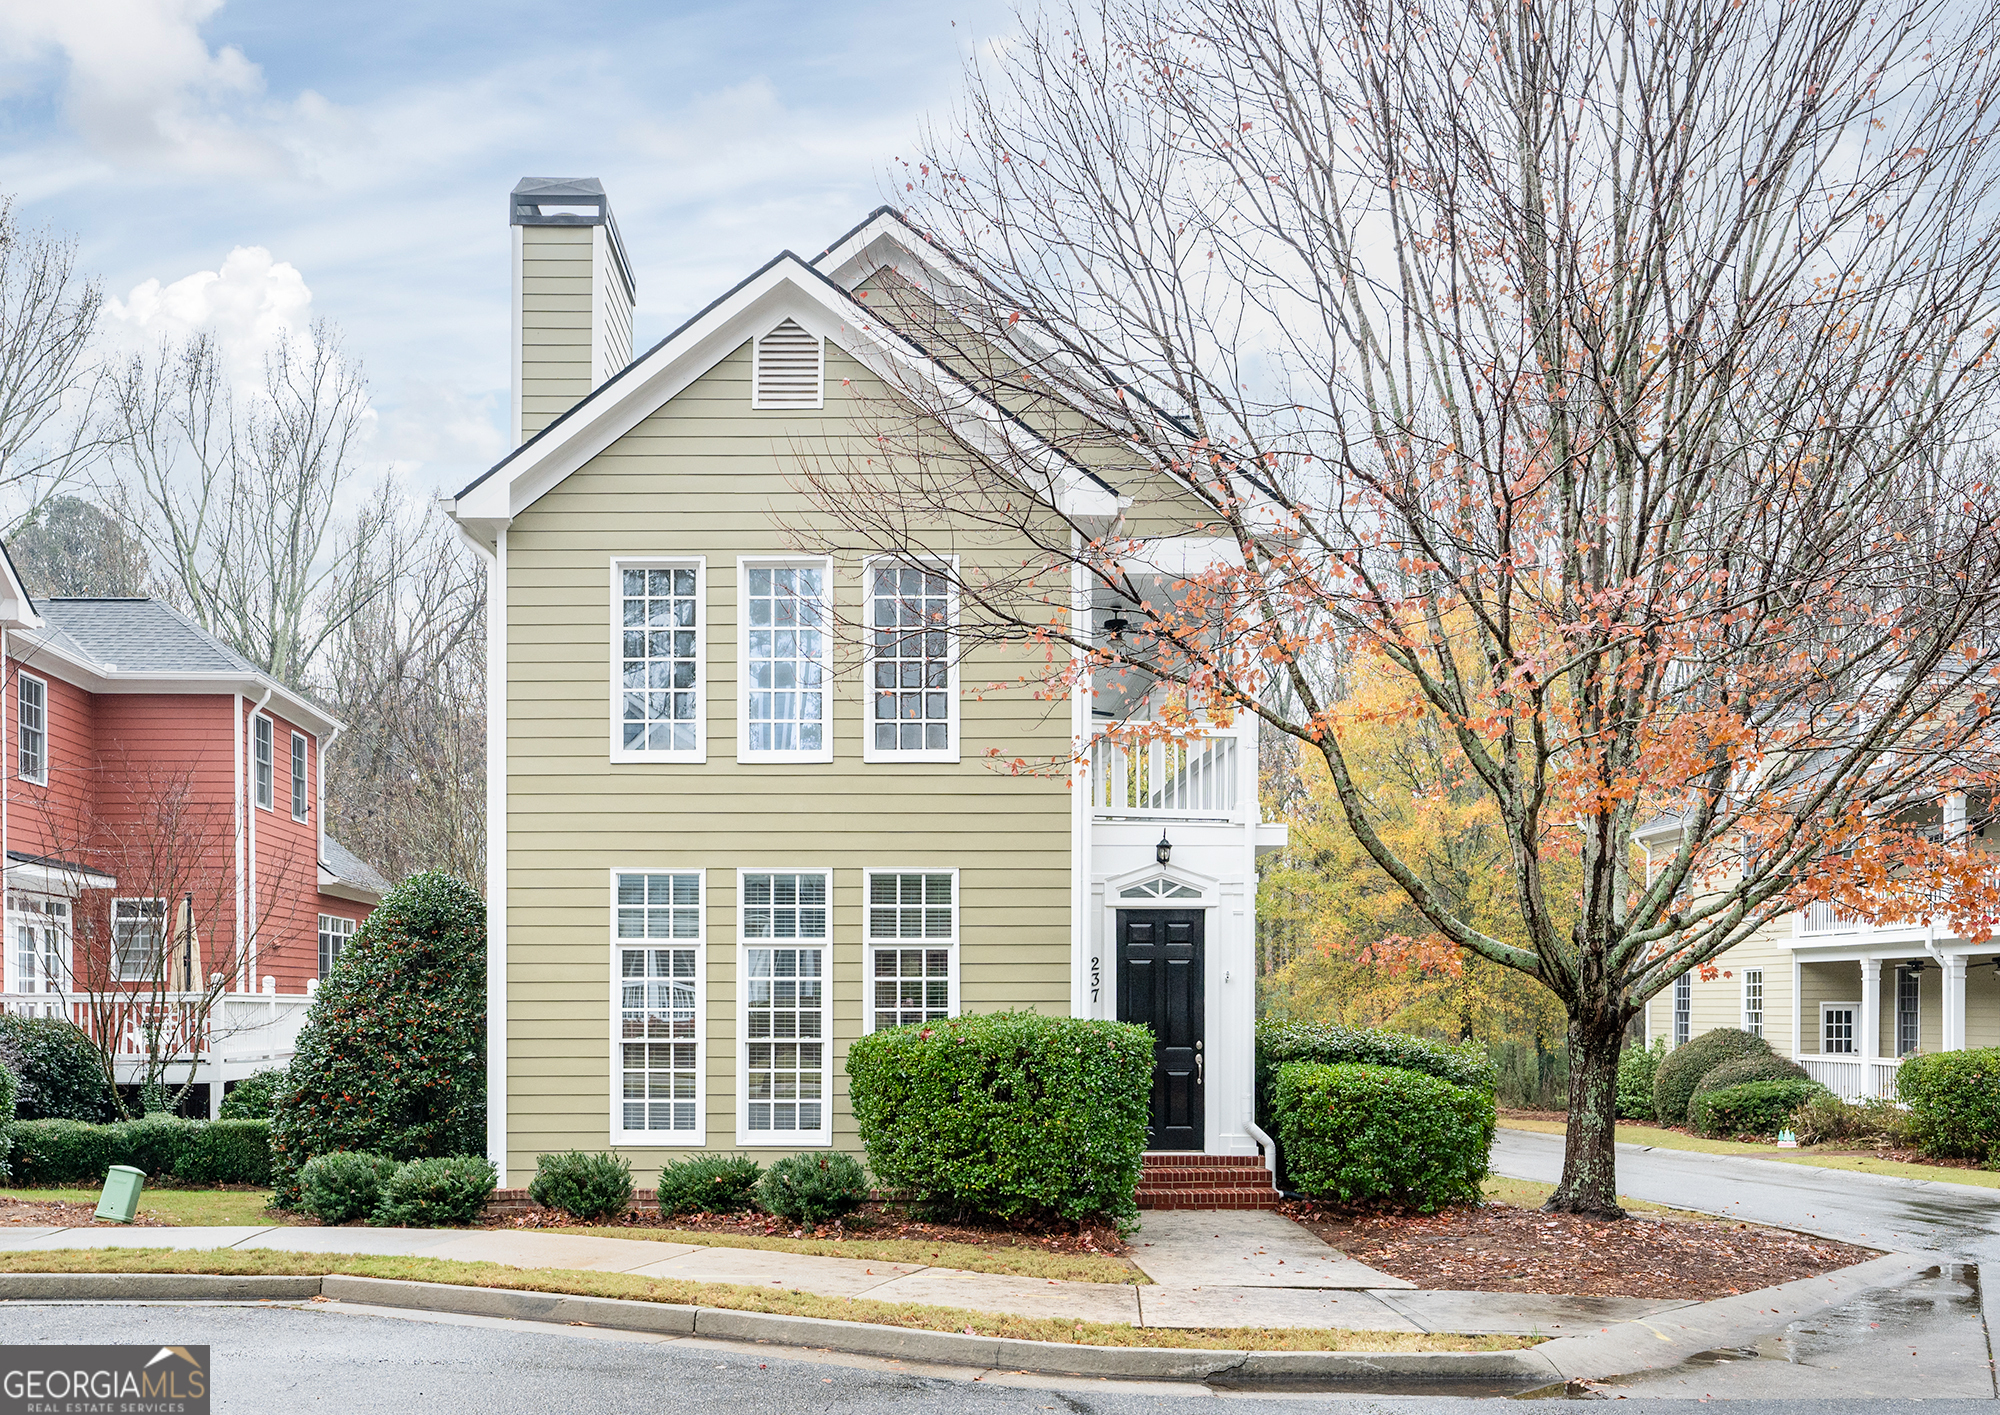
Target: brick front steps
pixel 1177 1180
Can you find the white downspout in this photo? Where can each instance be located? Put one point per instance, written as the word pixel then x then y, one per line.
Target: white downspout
pixel 236 741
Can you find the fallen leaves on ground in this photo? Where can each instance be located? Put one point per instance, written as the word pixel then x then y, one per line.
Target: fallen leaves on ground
pixel 873 1221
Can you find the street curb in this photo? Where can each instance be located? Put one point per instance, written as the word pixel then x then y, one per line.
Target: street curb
pixel 154 1287
pixel 660 1318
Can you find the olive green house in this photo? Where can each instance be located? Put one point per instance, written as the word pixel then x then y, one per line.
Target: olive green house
pixel 721 844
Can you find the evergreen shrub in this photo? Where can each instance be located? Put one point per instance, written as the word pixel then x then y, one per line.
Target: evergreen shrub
pixel 9 1087
pixel 1382 1133
pixel 226 1152
pixel 1328 1044
pixel 1954 1102
pixel 441 1191
pixel 253 1096
pixel 1011 1114
pixel 709 1184
pixel 581 1185
pixel 1683 1067
pixel 343 1185
pixel 58 1152
pixel 813 1188
pixel 1637 1066
pixel 1751 1108
pixel 1768 1067
pixel 392 1059
pixel 60 1074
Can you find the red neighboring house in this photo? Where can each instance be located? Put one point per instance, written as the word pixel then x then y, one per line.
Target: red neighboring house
pixel 163 827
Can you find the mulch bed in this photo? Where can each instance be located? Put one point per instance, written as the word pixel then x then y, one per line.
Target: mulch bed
pixel 15 1213
pixel 1496 1247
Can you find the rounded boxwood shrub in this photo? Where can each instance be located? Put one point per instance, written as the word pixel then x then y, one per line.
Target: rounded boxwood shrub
pixel 1954 1102
pixel 813 1188
pixel 709 1184
pixel 392 1059
pixel 1328 1044
pixel 1683 1067
pixel 1752 1107
pixel 441 1191
pixel 1368 1133
pixel 252 1097
pixel 60 1074
pixel 343 1185
pixel 1006 1113
pixel 1637 1066
pixel 1768 1067
pixel 581 1185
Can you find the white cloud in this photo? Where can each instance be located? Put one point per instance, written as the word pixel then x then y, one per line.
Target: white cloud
pixel 250 304
pixel 435 426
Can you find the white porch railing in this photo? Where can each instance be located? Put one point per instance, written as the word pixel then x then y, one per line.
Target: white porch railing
pixel 1822 918
pixel 1197 780
pixel 1853 1078
pixel 237 1028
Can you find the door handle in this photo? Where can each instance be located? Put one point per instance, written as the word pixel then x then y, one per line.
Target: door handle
pixel 1197 1068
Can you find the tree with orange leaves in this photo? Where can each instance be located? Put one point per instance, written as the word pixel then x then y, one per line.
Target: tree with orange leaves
pixel 1622 381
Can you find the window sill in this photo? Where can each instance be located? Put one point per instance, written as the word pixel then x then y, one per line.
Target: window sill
pixel 697 757
pixel 783 1139
pixel 783 758
pixel 876 754
pixel 650 1140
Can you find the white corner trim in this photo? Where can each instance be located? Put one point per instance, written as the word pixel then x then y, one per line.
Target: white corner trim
pixel 496 844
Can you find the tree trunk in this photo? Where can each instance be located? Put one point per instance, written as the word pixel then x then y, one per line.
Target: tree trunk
pixel 1590 1171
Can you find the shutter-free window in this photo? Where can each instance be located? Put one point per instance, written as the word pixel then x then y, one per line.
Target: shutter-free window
pixel 1753 1001
pixel 785 651
pixel 910 628
pixel 785 937
pixel 789 369
pixel 264 764
pixel 34 734
pixel 1908 1014
pixel 298 776
pixel 1683 1008
pixel 138 928
pixel 660 633
pixel 912 942
pixel 659 980
pixel 334 932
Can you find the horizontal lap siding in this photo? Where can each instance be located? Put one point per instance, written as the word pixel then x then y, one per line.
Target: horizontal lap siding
pixel 556 288
pixel 709 476
pixel 55 819
pixel 287 879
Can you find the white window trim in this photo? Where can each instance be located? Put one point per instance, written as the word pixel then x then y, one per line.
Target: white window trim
pixel 301 779
pixel 1743 1007
pixel 1673 1020
pixel 1855 1008
pixel 166 923
pixel 41 778
pixel 745 564
pixel 757 369
pixel 615 708
pixel 1896 1011
pixel 39 917
pixel 656 1139
pixel 256 787
pixel 346 936
pixel 746 1138
pixel 869 751
pixel 870 944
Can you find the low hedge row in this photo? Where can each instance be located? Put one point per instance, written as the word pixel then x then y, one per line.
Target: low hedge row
pixel 438 1191
pixel 57 1152
pixel 1328 1044
pixel 1954 1102
pixel 1360 1133
pixel 1751 1107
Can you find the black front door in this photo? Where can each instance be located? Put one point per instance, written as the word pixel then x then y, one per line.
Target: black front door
pixel 1159 984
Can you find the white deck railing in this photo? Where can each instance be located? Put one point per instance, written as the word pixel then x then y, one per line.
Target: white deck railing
pixel 1195 780
pixel 1853 1078
pixel 237 1027
pixel 1822 918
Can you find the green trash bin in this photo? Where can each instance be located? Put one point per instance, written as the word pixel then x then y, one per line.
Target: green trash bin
pixel 120 1199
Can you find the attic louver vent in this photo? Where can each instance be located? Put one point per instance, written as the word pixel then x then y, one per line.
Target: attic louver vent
pixel 789 371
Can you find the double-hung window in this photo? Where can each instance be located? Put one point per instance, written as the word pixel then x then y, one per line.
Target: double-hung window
pixel 1683 1008
pixel 261 758
pixel 1753 1001
pixel 40 961
pixel 658 964
pixel 334 932
pixel 657 711
pixel 912 946
pixel 912 673
pixel 33 717
pixel 784 922
pixel 138 933
pixel 786 705
pixel 300 799
pixel 1909 1014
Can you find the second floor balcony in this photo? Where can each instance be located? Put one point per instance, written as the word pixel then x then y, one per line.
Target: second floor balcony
pixel 1207 778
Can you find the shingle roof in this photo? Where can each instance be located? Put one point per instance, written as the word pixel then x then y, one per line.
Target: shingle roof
pixel 343 862
pixel 144 635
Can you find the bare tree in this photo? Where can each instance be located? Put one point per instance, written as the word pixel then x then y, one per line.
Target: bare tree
pixel 49 375
pixel 1619 379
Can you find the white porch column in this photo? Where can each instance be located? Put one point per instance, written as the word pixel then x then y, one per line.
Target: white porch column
pixel 1954 1003
pixel 1954 815
pixel 1869 1043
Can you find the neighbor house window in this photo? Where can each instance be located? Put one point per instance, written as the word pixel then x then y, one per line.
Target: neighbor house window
pixel 1836 1027
pixel 334 932
pixel 33 694
pixel 912 946
pixel 1753 1001
pixel 40 960
pixel 138 928
pixel 914 708
pixel 784 662
pixel 785 936
pixel 658 943
pixel 261 756
pixel 659 709
pixel 1909 992
pixel 299 797
pixel 1683 1008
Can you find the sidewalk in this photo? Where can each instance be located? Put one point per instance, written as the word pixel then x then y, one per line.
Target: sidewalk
pixel 1209 1269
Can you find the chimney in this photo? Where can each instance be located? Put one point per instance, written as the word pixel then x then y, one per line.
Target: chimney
pixel 573 297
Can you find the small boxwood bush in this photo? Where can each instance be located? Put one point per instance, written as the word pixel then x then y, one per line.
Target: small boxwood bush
pixel 60 1074
pixel 1682 1069
pixel 1006 1113
pixel 444 1190
pixel 1381 1133
pixel 1954 1101
pixel 1637 1066
pixel 709 1184
pixel 252 1097
pixel 1769 1067
pixel 813 1188
pixel 1326 1044
pixel 581 1185
pixel 343 1185
pixel 1751 1108
pixel 58 1152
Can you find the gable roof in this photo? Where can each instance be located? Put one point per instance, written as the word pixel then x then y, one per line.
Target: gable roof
pixel 345 875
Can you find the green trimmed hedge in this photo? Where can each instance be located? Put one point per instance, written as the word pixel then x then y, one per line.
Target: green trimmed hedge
pixel 813 1188
pixel 8 1089
pixel 253 1097
pixel 1327 1044
pixel 1006 1113
pixel 1751 1108
pixel 438 1192
pixel 1954 1101
pixel 57 1152
pixel 1681 1072
pixel 1381 1133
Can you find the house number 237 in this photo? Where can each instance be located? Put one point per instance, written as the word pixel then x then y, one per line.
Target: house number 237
pixel 1096 978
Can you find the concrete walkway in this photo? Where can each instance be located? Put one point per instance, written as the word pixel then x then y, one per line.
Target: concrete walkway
pixel 1209 1270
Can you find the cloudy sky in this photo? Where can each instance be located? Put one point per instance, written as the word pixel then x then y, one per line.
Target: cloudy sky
pixel 257 163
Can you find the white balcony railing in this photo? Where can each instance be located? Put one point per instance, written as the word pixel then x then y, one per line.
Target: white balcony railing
pixel 1822 918
pixel 1853 1078
pixel 237 1027
pixel 1195 780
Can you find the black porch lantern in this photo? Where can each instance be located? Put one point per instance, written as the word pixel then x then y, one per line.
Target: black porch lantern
pixel 1164 851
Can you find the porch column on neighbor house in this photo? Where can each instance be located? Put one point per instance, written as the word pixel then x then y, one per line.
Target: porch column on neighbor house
pixel 1869 1043
pixel 1954 1004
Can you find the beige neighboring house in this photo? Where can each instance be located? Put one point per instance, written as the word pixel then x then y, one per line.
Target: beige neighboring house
pixel 731 832
pixel 1846 1000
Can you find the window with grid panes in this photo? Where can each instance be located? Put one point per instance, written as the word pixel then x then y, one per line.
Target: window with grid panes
pixel 912 926
pixel 784 1026
pixel 1909 992
pixel 660 688
pixel 33 695
pixel 785 701
pixel 659 978
pixel 300 799
pixel 910 617
pixel 1683 1008
pixel 1836 1029
pixel 334 934
pixel 1753 1001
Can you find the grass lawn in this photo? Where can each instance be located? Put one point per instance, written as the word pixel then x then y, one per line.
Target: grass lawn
pixel 1866 1164
pixel 738 1298
pixel 1011 1260
pixel 178 1208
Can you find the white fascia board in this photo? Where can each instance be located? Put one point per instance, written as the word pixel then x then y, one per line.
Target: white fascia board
pixel 42 656
pixel 334 887
pixel 1177 557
